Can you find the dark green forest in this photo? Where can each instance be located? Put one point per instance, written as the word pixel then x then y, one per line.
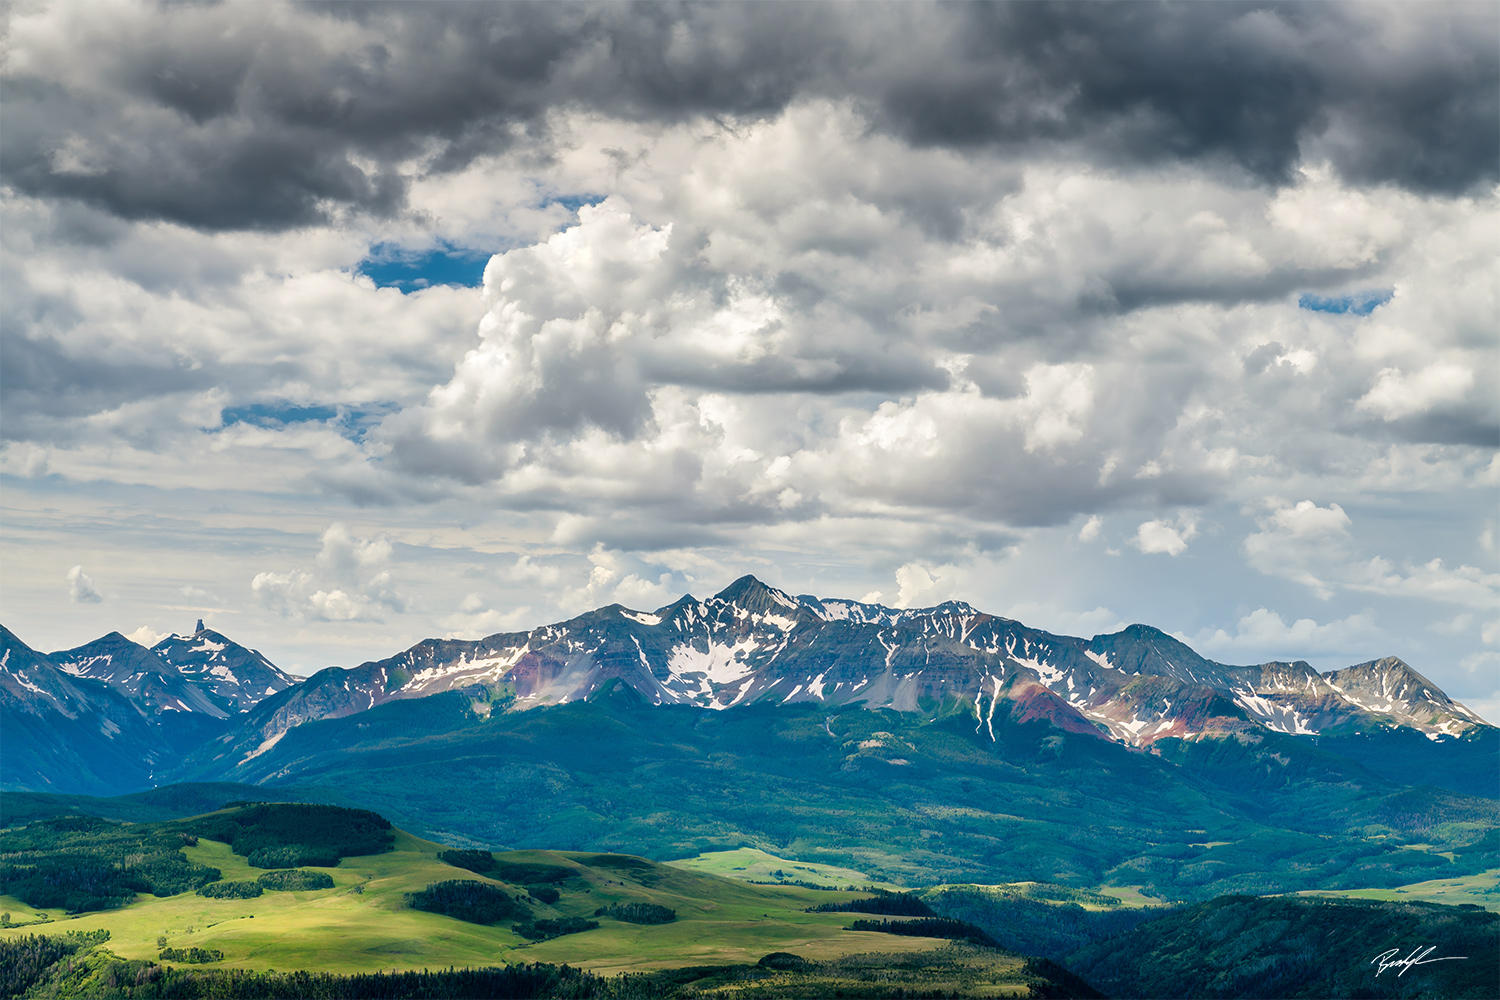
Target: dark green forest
pixel 638 913
pixel 550 927
pixel 295 880
pixel 465 899
pixel 83 863
pixel 1031 926
pixel 231 890
pixel 290 835
pixel 890 904
pixel 938 927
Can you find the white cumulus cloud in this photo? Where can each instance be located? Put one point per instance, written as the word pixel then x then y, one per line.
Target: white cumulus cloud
pixel 81 589
pixel 1396 394
pixel 1265 635
pixel 1165 537
pixel 349 581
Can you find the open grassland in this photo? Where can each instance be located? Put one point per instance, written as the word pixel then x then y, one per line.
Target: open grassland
pixel 23 913
pixel 751 865
pixel 1129 895
pixel 1482 889
pixel 364 924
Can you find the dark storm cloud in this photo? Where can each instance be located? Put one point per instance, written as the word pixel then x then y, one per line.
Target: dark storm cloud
pixel 1250 83
pixel 233 118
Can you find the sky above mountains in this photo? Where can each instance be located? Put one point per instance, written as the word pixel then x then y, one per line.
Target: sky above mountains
pixel 345 325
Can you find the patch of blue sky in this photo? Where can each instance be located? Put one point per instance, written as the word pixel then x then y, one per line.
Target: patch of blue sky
pixel 573 202
pixel 1358 303
pixel 392 266
pixel 351 422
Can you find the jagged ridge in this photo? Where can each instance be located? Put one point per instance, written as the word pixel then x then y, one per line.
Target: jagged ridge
pixel 754 644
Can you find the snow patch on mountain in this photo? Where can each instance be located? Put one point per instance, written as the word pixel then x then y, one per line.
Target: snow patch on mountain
pixel 719 663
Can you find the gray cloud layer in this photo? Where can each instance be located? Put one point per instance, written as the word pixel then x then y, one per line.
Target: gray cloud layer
pixel 258 117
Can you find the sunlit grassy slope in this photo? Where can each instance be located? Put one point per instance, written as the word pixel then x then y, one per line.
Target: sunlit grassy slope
pixel 751 865
pixel 363 923
pixel 1482 889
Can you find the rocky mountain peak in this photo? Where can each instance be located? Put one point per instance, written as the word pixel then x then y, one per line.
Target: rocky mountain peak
pixel 752 595
pixel 234 677
pixel 142 674
pixel 1390 688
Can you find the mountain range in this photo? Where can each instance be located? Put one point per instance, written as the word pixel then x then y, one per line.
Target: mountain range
pixel 749 644
pixel 911 743
pixel 113 715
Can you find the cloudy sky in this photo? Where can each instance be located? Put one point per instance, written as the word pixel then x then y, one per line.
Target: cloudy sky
pixel 340 326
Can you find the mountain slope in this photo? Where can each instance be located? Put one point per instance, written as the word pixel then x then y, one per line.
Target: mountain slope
pixel 909 796
pixel 1390 688
pixel 69 734
pixel 751 644
pixel 141 674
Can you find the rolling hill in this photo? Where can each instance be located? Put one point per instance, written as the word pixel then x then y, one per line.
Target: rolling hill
pixel 365 919
pixel 367 924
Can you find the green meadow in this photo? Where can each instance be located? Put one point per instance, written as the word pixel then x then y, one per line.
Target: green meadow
pixel 1482 889
pixel 729 932
pixel 363 923
pixel 752 865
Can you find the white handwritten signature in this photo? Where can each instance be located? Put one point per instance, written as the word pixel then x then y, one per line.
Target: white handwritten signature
pixel 1418 956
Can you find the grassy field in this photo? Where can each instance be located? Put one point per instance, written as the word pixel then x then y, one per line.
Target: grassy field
pixel 363 923
pixel 1047 892
pixel 1129 895
pixel 23 914
pixel 751 865
pixel 1482 889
